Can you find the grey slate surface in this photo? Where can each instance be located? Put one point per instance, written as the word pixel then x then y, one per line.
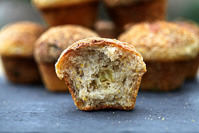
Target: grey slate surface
pixel 33 109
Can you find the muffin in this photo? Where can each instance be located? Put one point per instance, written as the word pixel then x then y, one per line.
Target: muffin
pixel 166 49
pixel 49 47
pixel 17 44
pixel 194 63
pixel 60 12
pixel 101 73
pixel 1 69
pixel 105 29
pixel 124 12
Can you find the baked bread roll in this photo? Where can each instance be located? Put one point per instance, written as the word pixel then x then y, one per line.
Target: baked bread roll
pixel 60 12
pixel 127 12
pixel 101 73
pixel 16 49
pixel 49 47
pixel 194 63
pixel 166 49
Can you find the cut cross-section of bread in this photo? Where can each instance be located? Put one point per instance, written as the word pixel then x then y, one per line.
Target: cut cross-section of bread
pixel 101 73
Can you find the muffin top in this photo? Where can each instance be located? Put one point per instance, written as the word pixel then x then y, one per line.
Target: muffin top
pixel 104 25
pixel 52 43
pixel 58 3
pixel 18 39
pixel 162 41
pixel 113 3
pixel 191 26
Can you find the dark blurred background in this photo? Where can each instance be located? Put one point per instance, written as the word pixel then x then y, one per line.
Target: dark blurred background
pixel 16 10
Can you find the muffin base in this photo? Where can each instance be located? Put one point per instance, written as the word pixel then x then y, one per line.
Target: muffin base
pixel 138 12
pixel 193 68
pixel 163 76
pixel 21 70
pixel 50 79
pixel 80 14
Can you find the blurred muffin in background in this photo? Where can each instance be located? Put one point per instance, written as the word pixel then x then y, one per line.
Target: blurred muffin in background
pixel 60 12
pixel 167 49
pixel 193 64
pixel 49 47
pixel 16 49
pixel 105 29
pixel 124 12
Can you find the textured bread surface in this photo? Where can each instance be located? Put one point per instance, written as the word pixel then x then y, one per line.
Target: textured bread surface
pixel 59 3
pixel 18 39
pixel 101 73
pixel 52 43
pixel 50 79
pixel 162 41
pixel 21 70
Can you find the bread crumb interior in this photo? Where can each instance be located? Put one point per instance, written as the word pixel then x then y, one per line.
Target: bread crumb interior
pixel 103 75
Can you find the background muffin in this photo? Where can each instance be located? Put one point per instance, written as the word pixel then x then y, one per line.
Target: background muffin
pixel 102 73
pixel 193 64
pixel 16 49
pixel 105 29
pixel 49 47
pixel 125 12
pixel 59 12
pixel 166 49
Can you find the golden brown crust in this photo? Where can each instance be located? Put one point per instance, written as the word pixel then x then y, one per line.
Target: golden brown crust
pixel 42 4
pixel 50 45
pixel 18 39
pixel 95 42
pixel 162 41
